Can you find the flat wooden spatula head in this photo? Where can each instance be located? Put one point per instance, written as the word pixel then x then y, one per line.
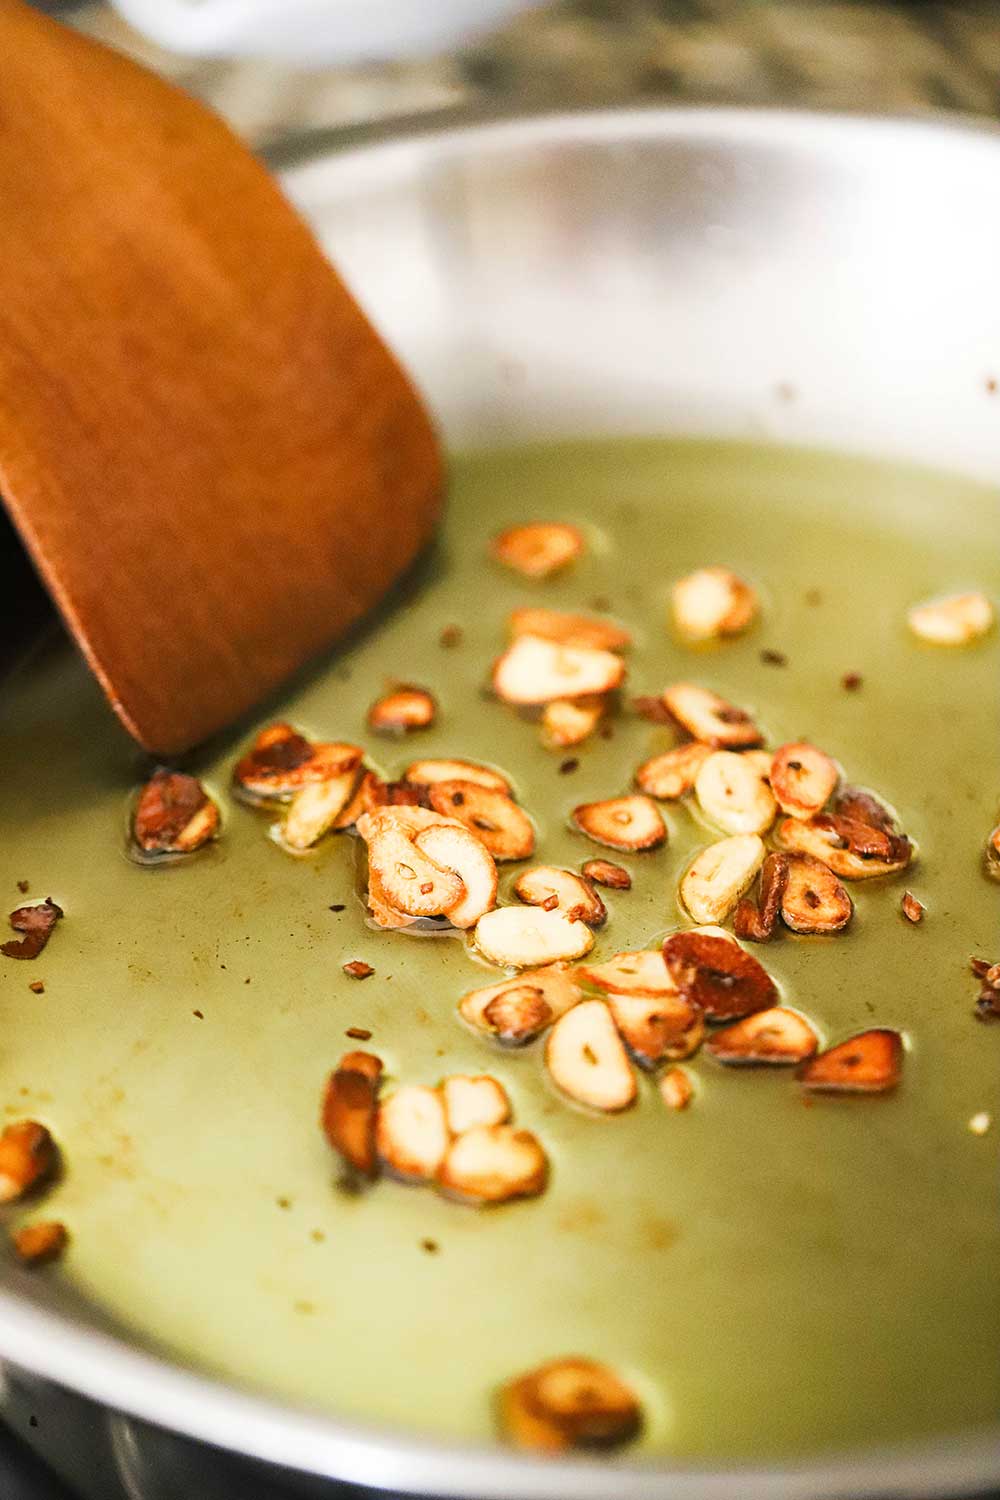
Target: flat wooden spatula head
pixel 212 457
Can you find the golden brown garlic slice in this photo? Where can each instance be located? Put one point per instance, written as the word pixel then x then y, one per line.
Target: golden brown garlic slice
pixel 757 922
pixel 538 548
pixel 500 825
pixel 411 1133
pixel 869 1063
pixel 281 762
pixel 569 721
pixel 625 823
pixel 519 1009
pixel 813 900
pixel 709 718
pixel 469 1102
pixel 670 775
pixel 803 779
pixel 733 795
pixel 350 1104
pixel 37 1244
pixel 676 1089
pixel 643 972
pixel 569 1403
pixel 712 602
pixel 853 850
pixel 174 815
pixel 603 872
pixel 520 937
pixel 913 909
pixel 556 889
pixel 27 1156
pixel 952 621
pixel 428 772
pixel 536 671
pixel 718 976
pixel 569 629
pixel 460 851
pixel 315 810
pixel 407 880
pixel 777 1035
pixel 717 877
pixel 586 1058
pixel 657 1027
pixel 401 711
pixel 492 1164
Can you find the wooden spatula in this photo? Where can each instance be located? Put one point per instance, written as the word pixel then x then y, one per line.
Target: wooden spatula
pixel 214 461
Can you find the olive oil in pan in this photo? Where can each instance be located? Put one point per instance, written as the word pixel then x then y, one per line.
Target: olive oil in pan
pixel 776 1275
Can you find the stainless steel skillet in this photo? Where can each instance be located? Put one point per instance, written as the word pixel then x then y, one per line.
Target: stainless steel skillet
pixel 639 272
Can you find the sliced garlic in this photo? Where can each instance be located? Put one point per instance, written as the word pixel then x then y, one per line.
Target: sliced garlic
pixel 803 779
pixel 407 880
pixel 778 1035
pixel 626 823
pixel 411 1132
pixel 536 671
pixel 492 1164
pixel 281 761
pixel 27 1155
pixel 718 976
pixel 717 878
pixel 538 548
pixel 712 602
pixel 587 1060
pixel 315 809
pixel 173 815
pixel 676 1090
pixel 458 850
pixel 520 937
pixel 603 872
pixel 427 772
pixel 870 1063
pixel 709 718
pixel 561 890
pixel 813 900
pixel 732 794
pixel 569 721
pixel 656 1027
pixel 639 973
pixel 402 710
pixel 757 922
pixel 568 629
pixel 569 1403
pixel 519 1009
pixel 504 828
pixel 670 775
pixel 474 1101
pixel 349 1108
pixel 827 838
pixel 953 621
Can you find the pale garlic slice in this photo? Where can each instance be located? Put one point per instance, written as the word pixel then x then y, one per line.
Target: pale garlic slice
pixel 472 1101
pixel 712 602
pixel 718 876
pixel 492 1164
pixel 314 811
pixel 569 721
pixel 733 795
pixel 586 1058
pixel 525 937
pixel 402 710
pixel 556 889
pixel 411 1132
pixel 952 621
pixel 537 671
pixel 456 849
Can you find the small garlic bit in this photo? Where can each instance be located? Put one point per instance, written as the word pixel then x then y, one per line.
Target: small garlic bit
pixel 711 603
pixel 952 621
pixel 538 548
pixel 569 1403
pixel 404 709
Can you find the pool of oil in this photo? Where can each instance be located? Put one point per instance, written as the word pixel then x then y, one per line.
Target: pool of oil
pixel 778 1275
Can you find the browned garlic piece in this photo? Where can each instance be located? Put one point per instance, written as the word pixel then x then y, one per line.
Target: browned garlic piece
pixel 639 973
pixel 670 775
pixel 428 772
pixel 27 1155
pixel 603 872
pixel 492 1164
pixel 174 815
pixel 712 602
pixel 586 1059
pixel 520 937
pixel 813 899
pixel 676 1089
pixel 716 879
pixel 504 828
pixel 537 671
pixel 281 762
pixel 411 1132
pixel 733 795
pixel 556 889
pixel 350 1105
pixel 709 718
pixel 474 1101
pixel 569 1403
pixel 853 850
pixel 952 621
pixel 778 1035
pixel 404 709
pixel 569 629
pixel 625 823
pixel 538 548
pixel 517 1010
pixel 803 779
pixel 657 1027
pixel 569 721
pixel 37 1244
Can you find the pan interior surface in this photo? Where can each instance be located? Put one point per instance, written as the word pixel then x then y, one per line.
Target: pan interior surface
pixel 777 1278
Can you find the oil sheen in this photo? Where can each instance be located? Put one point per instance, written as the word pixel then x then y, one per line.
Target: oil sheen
pixel 777 1275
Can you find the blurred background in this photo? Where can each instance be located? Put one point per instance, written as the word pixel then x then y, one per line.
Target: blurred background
pixel 278 69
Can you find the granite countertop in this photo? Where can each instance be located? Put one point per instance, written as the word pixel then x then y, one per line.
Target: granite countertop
pixel 881 56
